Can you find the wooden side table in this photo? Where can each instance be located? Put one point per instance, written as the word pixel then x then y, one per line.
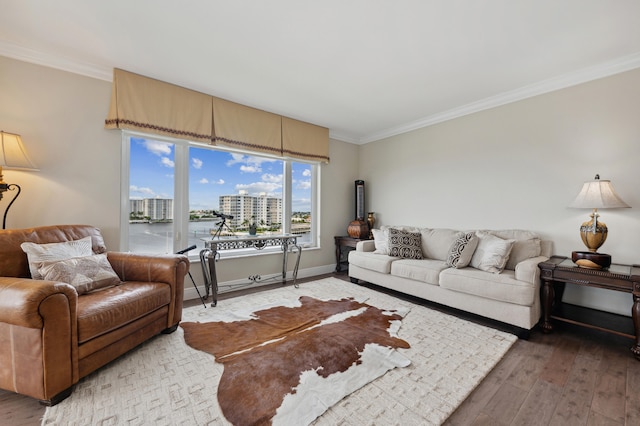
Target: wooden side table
pixel 558 271
pixel 343 243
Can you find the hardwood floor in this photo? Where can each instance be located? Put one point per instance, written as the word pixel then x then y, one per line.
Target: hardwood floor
pixel 573 376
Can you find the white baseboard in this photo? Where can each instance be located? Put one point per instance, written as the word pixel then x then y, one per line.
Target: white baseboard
pixel 190 292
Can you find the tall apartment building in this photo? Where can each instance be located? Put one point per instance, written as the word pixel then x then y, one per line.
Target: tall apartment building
pixel 154 208
pixel 265 210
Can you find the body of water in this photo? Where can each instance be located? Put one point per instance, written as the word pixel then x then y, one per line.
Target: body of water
pixel 158 237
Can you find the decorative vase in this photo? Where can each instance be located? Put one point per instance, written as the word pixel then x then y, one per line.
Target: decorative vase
pixel 253 229
pixel 371 220
pixel 358 229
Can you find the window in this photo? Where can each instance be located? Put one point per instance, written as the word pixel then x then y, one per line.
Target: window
pixel 178 193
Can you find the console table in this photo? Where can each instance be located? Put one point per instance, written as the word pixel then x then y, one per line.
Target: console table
pixel 558 271
pixel 211 253
pixel 341 244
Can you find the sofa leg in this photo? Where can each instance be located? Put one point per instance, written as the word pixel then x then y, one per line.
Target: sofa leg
pixel 57 398
pixel 170 329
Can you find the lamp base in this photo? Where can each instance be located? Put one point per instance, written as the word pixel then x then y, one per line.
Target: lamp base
pixel 590 260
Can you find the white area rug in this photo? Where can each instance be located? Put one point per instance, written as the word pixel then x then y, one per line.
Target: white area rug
pixel 165 382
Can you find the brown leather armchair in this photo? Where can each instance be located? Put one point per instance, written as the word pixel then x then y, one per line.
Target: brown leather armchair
pixel 51 337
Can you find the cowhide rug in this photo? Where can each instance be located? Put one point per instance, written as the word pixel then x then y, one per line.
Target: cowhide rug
pixel 289 364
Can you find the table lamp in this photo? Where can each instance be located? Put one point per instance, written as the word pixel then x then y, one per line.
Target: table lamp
pixel 14 156
pixel 595 194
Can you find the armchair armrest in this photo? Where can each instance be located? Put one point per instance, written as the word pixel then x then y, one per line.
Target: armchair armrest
pixel 21 300
pixel 168 268
pixel 42 351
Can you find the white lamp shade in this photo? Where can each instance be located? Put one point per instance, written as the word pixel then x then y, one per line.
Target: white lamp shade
pixel 13 154
pixel 598 194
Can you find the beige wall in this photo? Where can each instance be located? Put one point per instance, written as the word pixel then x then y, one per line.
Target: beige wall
pixel 516 166
pixel 61 115
pixel 519 166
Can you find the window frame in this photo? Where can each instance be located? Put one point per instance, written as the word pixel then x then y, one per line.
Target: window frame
pixel 181 194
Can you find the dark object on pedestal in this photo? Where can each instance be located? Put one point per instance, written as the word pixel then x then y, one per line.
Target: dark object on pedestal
pixel 587 259
pixel 358 229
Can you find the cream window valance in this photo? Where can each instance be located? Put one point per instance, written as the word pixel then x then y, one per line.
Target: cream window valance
pixel 152 106
pixel 248 128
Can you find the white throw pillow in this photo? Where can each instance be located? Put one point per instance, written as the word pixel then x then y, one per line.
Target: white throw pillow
pixel 492 253
pixel 381 241
pixel 84 273
pixel 38 253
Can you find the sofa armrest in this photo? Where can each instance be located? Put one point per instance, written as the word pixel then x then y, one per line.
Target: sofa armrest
pixel 368 245
pixel 41 357
pixel 528 270
pixel 162 268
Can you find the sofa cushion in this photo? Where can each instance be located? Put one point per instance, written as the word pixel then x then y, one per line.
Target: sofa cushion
pixel 105 310
pixel 462 250
pixel 437 242
pixel 405 245
pixel 84 273
pixel 424 270
pixel 503 287
pixel 381 240
pixel 369 260
pixel 51 252
pixel 492 253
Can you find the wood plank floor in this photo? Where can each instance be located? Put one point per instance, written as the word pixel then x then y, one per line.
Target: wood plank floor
pixel 573 376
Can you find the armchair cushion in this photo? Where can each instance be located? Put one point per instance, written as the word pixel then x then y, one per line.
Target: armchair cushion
pixel 86 273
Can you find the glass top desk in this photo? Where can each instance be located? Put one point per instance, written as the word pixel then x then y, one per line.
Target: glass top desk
pixel 211 253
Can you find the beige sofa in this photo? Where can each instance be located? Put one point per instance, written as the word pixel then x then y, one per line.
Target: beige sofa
pixel 494 275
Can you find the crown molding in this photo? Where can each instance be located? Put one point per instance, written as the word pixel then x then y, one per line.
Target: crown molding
pixel 625 63
pixel 22 53
pixel 584 75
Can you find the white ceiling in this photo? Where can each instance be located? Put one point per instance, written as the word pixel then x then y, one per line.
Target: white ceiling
pixel 366 69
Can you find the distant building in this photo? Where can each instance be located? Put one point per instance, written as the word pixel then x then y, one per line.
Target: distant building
pixel 264 210
pixel 153 208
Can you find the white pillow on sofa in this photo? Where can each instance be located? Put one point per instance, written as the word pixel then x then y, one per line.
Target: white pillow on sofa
pixel 492 253
pixel 381 241
pixel 50 252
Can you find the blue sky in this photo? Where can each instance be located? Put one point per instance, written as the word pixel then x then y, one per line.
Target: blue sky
pixel 212 173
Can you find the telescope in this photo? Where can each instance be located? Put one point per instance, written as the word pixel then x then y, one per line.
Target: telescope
pixel 222 215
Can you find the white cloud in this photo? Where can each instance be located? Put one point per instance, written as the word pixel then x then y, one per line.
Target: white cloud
pixel 157 148
pixel 306 172
pixel 167 162
pixel 197 163
pixel 269 177
pixel 220 182
pixel 245 168
pixel 142 190
pixel 255 188
pixel 203 180
pixel 248 163
pixel 303 184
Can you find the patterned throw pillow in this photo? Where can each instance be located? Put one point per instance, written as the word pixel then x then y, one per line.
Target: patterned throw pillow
pixel 84 273
pixel 38 253
pixel 462 250
pixel 405 245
